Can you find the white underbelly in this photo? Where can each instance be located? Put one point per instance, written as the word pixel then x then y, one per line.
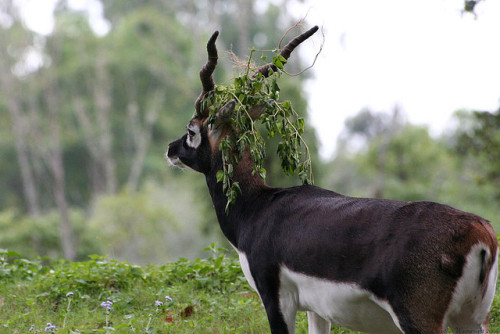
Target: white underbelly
pixel 342 304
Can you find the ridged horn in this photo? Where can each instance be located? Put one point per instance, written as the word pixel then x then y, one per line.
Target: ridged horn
pixel 286 52
pixel 206 72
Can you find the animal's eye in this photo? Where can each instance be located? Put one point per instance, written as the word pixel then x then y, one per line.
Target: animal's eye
pixel 191 133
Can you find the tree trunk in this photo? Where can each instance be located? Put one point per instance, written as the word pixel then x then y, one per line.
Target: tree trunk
pixel 141 134
pixel 54 160
pixel 19 131
pixel 97 175
pixel 96 127
pixel 19 125
pixel 102 99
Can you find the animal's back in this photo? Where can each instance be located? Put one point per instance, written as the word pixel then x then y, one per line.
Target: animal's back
pixel 382 254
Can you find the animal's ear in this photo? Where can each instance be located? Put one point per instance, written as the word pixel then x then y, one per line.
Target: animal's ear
pixel 222 117
pixel 225 113
pixel 258 109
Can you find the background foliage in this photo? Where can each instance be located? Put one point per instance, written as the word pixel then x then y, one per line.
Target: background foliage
pixel 86 125
pixel 85 120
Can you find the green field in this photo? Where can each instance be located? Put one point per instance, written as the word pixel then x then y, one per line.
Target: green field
pixel 203 296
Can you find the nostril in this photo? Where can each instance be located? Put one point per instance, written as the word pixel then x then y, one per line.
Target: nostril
pixel 171 151
pixel 172 155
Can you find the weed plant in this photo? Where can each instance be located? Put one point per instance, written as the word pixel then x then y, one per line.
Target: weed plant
pixel 106 296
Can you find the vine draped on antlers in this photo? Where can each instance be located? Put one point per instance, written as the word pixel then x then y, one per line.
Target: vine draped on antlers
pixel 258 87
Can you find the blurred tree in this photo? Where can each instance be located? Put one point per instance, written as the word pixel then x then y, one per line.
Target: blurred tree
pixel 479 136
pixel 416 166
pixel 11 87
pixel 151 59
pixel 90 116
pixel 374 127
pixel 18 39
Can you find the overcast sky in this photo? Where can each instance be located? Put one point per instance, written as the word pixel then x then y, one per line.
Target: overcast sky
pixel 422 55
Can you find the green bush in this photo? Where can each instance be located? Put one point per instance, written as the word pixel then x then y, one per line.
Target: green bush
pixel 153 225
pixel 40 236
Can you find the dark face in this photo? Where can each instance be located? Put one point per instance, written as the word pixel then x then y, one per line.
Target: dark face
pixel 194 149
pixel 191 150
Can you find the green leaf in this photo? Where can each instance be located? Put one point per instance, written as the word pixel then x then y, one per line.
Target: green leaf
pixel 257 86
pixel 12 253
pixel 303 177
pixel 301 123
pixel 278 63
pixel 262 173
pixel 236 188
pixel 220 176
pixel 277 118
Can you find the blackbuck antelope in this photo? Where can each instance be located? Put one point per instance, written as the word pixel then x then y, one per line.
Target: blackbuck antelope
pixel 372 265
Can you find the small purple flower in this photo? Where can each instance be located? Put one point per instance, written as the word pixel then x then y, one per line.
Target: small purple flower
pixel 50 328
pixel 168 298
pixel 69 294
pixel 158 303
pixel 108 305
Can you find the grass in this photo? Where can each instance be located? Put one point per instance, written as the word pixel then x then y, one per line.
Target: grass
pixel 204 296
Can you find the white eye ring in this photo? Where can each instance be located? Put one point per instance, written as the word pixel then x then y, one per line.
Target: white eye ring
pixel 193 138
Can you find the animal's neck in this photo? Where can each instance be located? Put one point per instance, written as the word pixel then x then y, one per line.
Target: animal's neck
pixel 252 188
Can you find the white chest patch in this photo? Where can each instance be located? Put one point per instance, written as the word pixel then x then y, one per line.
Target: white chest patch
pixel 342 304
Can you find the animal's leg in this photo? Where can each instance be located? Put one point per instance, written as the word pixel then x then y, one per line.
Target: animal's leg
pixel 316 324
pixel 277 320
pixel 486 324
pixel 288 308
pixel 466 324
pixel 469 328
